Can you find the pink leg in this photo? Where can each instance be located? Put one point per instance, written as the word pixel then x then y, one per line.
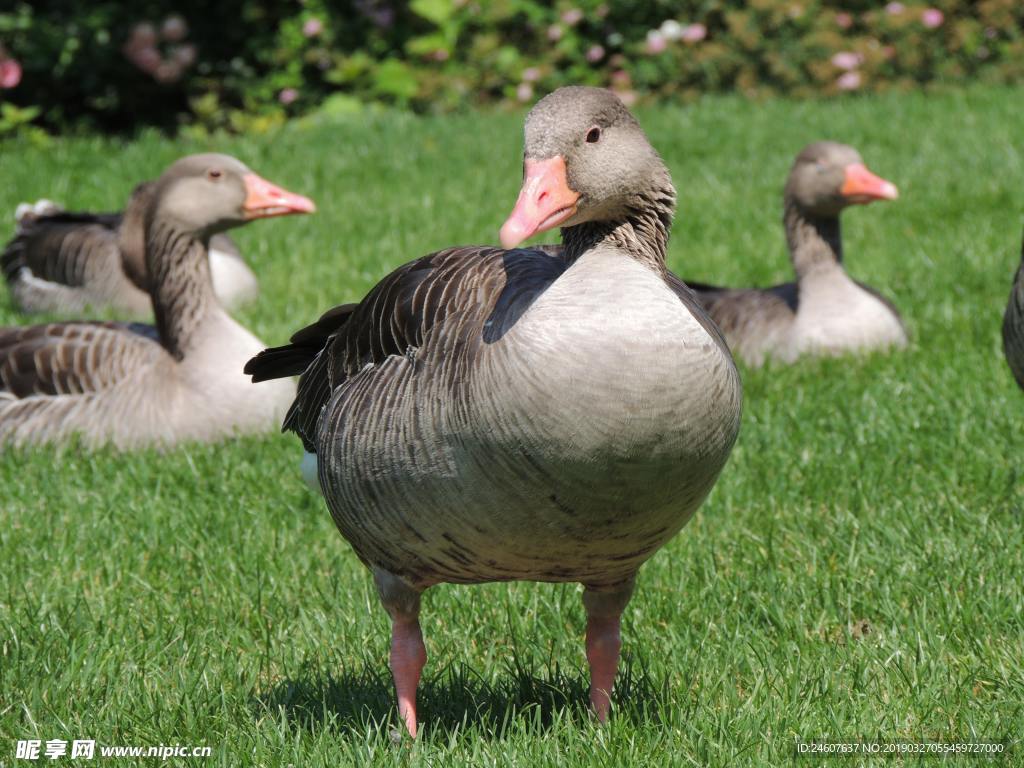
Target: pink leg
pixel 604 614
pixel 408 654
pixel 603 644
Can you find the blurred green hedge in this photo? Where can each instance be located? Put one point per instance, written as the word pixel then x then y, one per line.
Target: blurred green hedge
pixel 246 65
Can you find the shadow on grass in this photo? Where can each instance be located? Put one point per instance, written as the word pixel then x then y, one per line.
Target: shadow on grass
pixel 456 700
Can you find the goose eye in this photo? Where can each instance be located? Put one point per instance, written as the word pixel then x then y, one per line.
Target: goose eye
pixel 214 174
pixel 593 135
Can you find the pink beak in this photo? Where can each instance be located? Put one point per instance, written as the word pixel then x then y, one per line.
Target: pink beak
pixel 545 201
pixel 264 199
pixel 862 186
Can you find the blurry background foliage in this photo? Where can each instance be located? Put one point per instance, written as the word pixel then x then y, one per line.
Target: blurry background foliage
pixel 201 66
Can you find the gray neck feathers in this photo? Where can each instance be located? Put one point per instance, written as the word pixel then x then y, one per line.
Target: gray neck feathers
pixel 642 232
pixel 814 241
pixel 181 287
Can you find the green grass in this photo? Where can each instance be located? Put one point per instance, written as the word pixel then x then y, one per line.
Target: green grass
pixel 202 596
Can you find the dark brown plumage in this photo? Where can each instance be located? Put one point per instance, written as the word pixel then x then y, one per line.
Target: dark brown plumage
pixel 1013 325
pixel 65 262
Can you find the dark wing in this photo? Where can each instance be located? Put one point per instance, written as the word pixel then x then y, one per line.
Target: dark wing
pixel 741 312
pixel 1013 325
pixel 454 298
pixel 59 249
pixel 294 358
pixel 71 358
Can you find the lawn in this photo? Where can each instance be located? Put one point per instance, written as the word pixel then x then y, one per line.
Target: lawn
pixel 857 572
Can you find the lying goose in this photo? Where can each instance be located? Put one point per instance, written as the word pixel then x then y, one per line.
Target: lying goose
pixel 493 415
pixel 825 311
pixel 131 384
pixel 1013 325
pixel 65 262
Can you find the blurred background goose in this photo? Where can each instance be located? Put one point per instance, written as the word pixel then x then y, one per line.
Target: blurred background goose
pixel 1013 325
pixel 65 262
pixel 825 311
pixel 133 384
pixel 526 414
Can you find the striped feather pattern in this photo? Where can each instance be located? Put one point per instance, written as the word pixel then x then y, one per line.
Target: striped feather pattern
pixel 68 262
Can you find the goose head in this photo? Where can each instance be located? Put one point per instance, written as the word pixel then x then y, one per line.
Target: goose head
pixel 209 193
pixel 827 177
pixel 585 159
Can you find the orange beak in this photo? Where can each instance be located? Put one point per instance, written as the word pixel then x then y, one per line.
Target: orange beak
pixel 545 201
pixel 263 199
pixel 862 186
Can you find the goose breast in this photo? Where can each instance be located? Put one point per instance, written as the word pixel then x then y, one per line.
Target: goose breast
pixel 569 443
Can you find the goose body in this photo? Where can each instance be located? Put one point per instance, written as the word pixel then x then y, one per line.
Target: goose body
pixel 505 424
pixel 129 384
pixel 67 262
pixel 1013 325
pixel 540 414
pixel 825 312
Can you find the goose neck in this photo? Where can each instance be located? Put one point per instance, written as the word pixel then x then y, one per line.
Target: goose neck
pixel 642 232
pixel 181 287
pixel 815 242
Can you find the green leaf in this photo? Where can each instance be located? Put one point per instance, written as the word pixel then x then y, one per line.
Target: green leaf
pixel 394 78
pixel 437 11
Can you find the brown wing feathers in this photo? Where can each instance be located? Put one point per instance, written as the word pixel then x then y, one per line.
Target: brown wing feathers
pixel 452 293
pixel 63 358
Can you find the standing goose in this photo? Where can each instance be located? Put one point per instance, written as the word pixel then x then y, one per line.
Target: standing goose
pixel 1013 325
pixel 825 311
pixel 132 384
pixel 494 415
pixel 66 262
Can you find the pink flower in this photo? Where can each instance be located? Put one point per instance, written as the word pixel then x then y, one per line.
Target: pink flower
pixel 894 9
pixel 694 33
pixel 10 73
pixel 844 20
pixel 185 55
pixel 287 96
pixel 174 29
pixel 621 78
pixel 572 17
pixel 146 58
pixel 524 91
pixel 531 75
pixel 142 34
pixel 595 53
pixel 628 97
pixel 848 81
pixel 167 72
pixel 555 33
pixel 932 18
pixel 847 60
pixel 656 42
pixel 312 27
